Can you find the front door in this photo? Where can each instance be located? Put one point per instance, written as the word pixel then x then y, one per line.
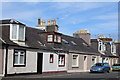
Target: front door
pixel 39 63
pixel 85 63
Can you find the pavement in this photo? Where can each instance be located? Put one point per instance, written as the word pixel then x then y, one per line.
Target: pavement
pixel 48 75
pixel 0 77
pixel 72 76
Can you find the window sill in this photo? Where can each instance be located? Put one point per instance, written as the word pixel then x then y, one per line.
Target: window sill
pixel 61 65
pixel 18 65
pixel 75 66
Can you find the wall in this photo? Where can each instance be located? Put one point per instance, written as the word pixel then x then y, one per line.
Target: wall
pixel 53 67
pixel 82 65
pixel 1 61
pixel 31 62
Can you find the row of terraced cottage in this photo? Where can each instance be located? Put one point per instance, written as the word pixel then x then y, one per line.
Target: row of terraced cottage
pixel 28 50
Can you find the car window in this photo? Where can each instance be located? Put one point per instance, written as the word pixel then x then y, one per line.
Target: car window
pixel 116 64
pixel 106 64
pixel 98 64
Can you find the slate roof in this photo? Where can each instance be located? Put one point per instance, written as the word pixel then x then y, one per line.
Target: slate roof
pixel 10 21
pixel 81 46
pixel 36 38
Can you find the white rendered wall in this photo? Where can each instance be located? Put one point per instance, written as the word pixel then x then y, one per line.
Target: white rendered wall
pixel 51 67
pixel 31 63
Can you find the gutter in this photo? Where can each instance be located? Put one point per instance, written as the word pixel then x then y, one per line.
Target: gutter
pixel 6 60
pixel 87 53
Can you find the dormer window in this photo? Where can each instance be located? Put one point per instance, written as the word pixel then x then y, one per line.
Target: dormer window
pixel 54 38
pixel 113 48
pixel 17 32
pixel 14 31
pixel 50 38
pixel 58 38
pixel 102 46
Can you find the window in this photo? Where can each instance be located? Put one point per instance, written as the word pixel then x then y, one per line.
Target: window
pixel 19 58
pixel 73 43
pixel 51 58
pixel 59 39
pixel 50 38
pixel 85 57
pixel 14 31
pixel 54 38
pixel 84 44
pixel 100 46
pixel 104 46
pixel 106 64
pixel 17 32
pixel 61 61
pixel 75 61
pixel 103 59
pixel 21 32
pixel 65 41
pixel 113 48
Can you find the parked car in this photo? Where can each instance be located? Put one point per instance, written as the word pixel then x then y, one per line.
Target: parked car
pixel 100 67
pixel 116 67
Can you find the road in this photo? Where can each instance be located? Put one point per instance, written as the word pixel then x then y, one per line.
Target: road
pixel 70 76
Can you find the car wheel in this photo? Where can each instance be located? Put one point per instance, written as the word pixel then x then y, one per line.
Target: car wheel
pixel 105 71
pixel 108 71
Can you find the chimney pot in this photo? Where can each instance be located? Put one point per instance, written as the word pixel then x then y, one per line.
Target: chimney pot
pixel 39 21
pixel 48 21
pixel 53 22
pixel 43 22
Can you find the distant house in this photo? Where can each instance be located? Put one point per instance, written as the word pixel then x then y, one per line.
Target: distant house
pixel 106 48
pixel 117 44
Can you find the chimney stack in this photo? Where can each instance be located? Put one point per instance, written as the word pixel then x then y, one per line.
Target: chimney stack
pixel 84 34
pixel 39 21
pixel 48 21
pixel 43 22
pixel 53 22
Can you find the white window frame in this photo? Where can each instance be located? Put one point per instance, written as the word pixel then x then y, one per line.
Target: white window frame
pixel 59 39
pixel 99 44
pixel 113 48
pixel 17 38
pixel 49 37
pixel 55 38
pixel 51 58
pixel 77 61
pixel 19 55
pixel 60 60
pixel 103 46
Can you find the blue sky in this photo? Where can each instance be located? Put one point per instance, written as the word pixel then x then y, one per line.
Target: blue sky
pixel 97 17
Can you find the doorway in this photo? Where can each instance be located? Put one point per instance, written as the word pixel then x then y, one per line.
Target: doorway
pixel 39 63
pixel 85 63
